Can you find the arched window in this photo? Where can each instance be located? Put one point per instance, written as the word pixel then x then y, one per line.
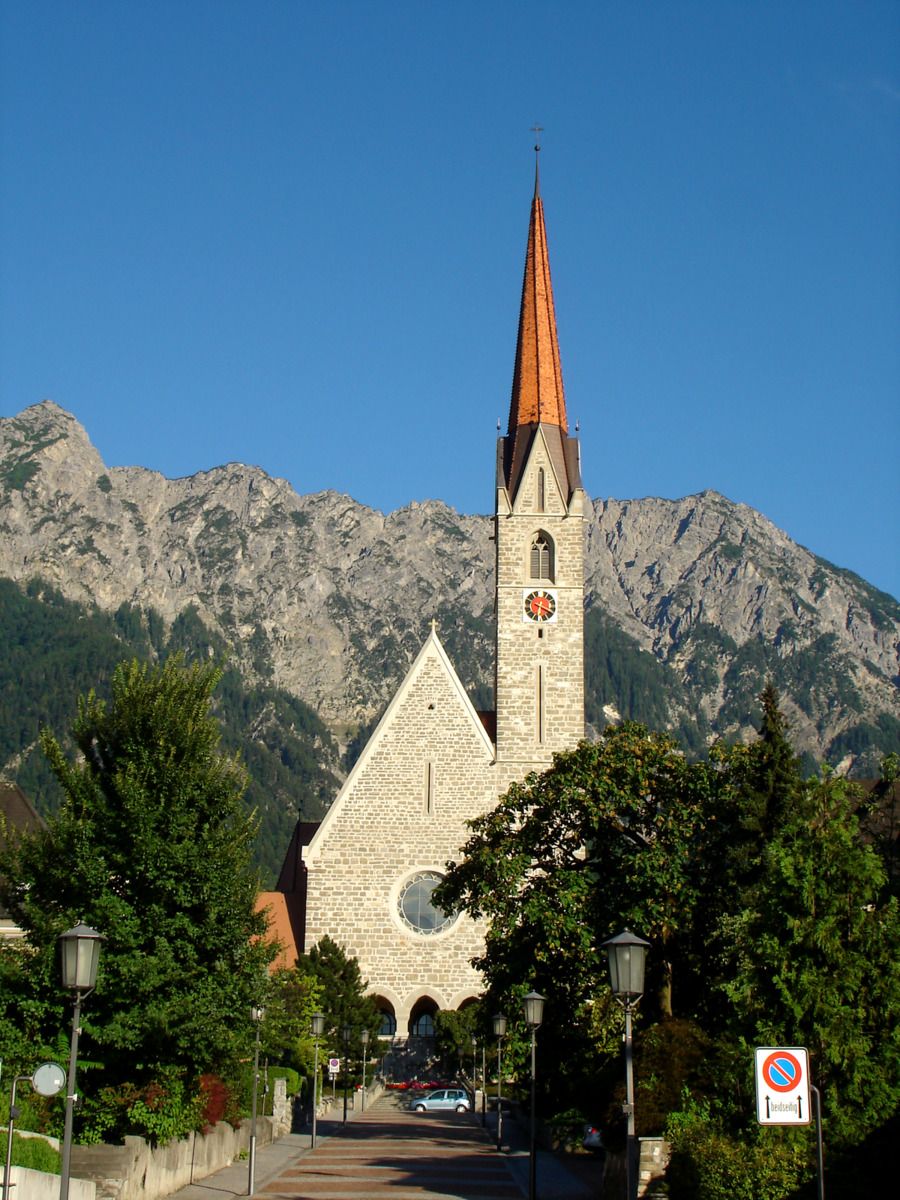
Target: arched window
pixel 540 489
pixel 421 1019
pixel 423 1026
pixel 388 1019
pixel 541 557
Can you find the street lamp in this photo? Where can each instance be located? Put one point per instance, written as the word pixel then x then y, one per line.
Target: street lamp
pixel 316 1028
pixel 474 1070
pixel 627 959
pixel 79 957
pixel 346 1036
pixel 500 1024
pixel 534 1014
pixel 364 1038
pixel 257 1016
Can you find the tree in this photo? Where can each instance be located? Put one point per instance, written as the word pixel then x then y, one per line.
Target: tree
pixel 616 832
pixel 342 990
pixel 291 1000
pixel 151 848
pixel 770 922
pixel 812 958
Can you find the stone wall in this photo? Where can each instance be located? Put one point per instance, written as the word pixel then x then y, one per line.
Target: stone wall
pixel 139 1171
pixel 426 771
pixel 540 667
pixel 40 1185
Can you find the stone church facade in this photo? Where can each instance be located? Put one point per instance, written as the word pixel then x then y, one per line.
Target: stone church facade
pixel 365 874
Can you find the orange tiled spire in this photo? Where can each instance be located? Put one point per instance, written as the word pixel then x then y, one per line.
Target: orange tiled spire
pixel 537 393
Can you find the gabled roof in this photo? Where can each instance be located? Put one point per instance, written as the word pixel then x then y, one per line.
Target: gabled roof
pixel 19 814
pixel 432 648
pixel 538 398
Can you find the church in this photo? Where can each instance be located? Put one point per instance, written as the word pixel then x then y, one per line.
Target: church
pixel 364 876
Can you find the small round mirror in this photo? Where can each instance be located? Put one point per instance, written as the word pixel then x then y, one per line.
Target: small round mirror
pixel 48 1079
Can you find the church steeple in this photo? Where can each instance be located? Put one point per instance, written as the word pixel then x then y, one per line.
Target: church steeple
pixel 537 392
pixel 538 399
pixel 539 680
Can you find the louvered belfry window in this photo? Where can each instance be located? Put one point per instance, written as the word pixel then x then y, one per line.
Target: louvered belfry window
pixel 541 557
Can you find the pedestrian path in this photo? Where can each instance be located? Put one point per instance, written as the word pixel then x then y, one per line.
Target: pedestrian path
pixel 390 1152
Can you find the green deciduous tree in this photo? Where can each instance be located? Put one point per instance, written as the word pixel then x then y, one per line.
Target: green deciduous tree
pixel 616 832
pixel 771 921
pixel 151 848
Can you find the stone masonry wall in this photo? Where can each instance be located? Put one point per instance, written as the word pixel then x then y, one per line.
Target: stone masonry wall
pixel 380 833
pixel 558 646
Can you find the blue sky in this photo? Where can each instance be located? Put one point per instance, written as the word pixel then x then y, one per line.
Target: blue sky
pixel 292 234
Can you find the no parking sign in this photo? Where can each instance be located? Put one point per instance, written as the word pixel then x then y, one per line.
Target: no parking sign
pixel 782 1085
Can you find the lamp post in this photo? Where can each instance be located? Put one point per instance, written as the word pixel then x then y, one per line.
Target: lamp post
pixel 500 1024
pixel 316 1028
pixel 257 1015
pixel 627 958
pixel 364 1038
pixel 474 1070
pixel 534 1014
pixel 346 1035
pixel 484 1083
pixel 79 955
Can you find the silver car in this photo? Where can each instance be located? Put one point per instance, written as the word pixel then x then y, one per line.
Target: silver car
pixel 442 1100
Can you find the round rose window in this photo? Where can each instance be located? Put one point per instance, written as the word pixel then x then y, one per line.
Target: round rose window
pixel 416 909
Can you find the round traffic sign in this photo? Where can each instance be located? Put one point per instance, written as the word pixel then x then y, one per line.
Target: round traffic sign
pixel 782 1071
pixel 48 1079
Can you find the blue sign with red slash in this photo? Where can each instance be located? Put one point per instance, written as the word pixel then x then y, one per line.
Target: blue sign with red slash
pixel 782 1085
pixel 781 1071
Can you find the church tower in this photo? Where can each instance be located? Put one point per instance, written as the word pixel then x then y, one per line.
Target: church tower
pixel 539 682
pixel 366 874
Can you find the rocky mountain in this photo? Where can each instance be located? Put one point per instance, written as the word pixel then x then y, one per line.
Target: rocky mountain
pixel 690 604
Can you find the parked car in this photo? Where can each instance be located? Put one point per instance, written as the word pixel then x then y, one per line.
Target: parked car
pixel 593 1140
pixel 442 1100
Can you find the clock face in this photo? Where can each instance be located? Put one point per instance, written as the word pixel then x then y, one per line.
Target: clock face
pixel 540 606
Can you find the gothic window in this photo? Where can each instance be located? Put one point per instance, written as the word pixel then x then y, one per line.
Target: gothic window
pixel 540 489
pixel 421 1019
pixel 388 1024
pixel 541 557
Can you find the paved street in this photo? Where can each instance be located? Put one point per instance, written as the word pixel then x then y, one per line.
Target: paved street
pixel 388 1151
pixel 391 1152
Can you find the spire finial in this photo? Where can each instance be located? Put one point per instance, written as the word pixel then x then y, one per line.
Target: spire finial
pixel 537 130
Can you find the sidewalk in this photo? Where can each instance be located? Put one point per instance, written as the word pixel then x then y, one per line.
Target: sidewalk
pixel 271 1161
pixel 554 1182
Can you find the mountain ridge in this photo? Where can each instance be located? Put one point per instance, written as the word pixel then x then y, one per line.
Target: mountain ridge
pixel 329 599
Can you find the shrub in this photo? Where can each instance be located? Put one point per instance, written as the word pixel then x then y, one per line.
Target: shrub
pixel 218 1102
pixel 159 1111
pixel 31 1152
pixel 710 1163
pixel 289 1075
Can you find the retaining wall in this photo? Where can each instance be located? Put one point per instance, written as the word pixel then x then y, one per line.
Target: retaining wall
pixel 139 1171
pixel 39 1185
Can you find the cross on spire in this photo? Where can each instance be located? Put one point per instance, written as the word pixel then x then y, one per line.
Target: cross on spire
pixel 537 130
